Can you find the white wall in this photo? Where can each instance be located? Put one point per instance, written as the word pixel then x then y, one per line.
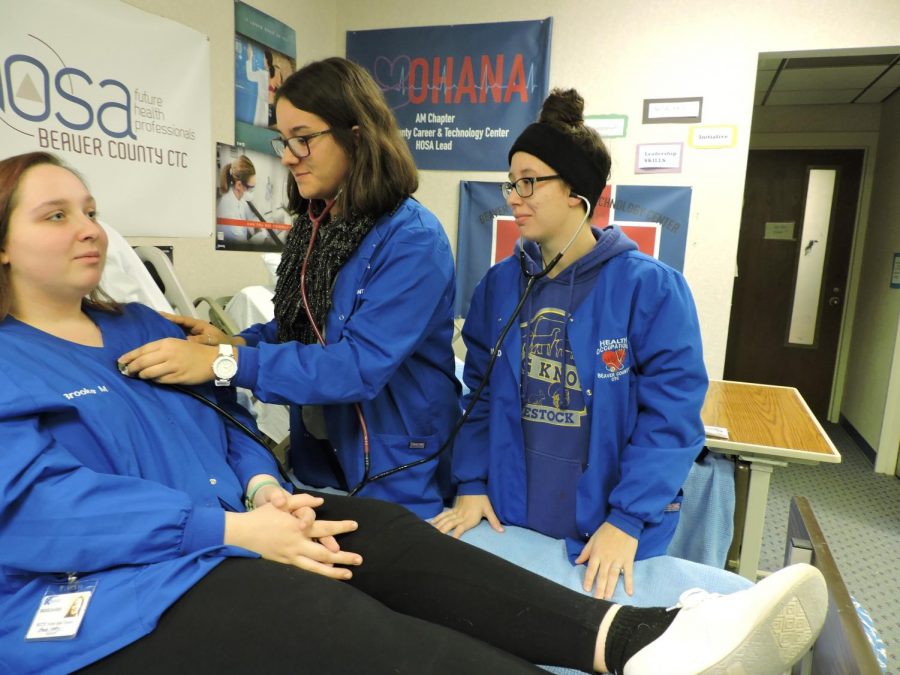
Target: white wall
pixel 201 269
pixel 616 54
pixel 867 405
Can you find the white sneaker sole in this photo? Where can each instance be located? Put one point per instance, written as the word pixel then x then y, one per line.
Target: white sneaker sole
pixel 761 631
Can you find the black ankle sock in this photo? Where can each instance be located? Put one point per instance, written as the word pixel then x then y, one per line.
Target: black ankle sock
pixel 632 629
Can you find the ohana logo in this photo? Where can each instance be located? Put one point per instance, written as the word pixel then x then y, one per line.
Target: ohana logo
pixel 484 79
pixel 613 353
pixel 85 391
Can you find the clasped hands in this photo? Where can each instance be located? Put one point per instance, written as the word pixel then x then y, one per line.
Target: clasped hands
pixel 283 528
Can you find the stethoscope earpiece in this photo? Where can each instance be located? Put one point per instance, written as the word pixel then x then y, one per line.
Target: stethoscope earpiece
pixel 523 263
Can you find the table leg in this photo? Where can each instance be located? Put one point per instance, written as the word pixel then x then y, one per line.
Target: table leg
pixel 758 495
pixel 741 487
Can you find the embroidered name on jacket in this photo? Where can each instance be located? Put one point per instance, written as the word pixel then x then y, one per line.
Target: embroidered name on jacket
pixel 85 391
pixel 613 355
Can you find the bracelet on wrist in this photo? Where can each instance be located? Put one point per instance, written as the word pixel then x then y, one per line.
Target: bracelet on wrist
pixel 248 502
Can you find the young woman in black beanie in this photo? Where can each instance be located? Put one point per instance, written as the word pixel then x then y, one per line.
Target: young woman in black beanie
pixel 591 418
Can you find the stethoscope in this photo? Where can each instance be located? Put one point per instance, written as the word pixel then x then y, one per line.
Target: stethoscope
pixel 531 277
pixel 316 222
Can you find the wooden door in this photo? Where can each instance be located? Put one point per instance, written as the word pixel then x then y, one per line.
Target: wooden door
pixel 793 257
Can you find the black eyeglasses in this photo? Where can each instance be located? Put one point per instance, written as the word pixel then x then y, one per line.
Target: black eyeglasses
pixel 299 145
pixel 524 187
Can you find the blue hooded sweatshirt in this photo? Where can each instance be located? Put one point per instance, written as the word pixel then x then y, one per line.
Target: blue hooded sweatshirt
pixel 555 420
pixel 635 343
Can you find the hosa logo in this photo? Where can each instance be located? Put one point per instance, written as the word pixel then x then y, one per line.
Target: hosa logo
pixel 67 109
pixel 32 91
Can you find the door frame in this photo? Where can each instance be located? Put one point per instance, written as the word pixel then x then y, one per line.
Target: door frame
pixel 867 142
pixel 885 460
pixel 887 452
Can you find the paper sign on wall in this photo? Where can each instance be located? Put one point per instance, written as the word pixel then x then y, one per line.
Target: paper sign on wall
pixel 779 231
pixel 658 158
pixel 608 126
pixel 673 110
pixel 713 137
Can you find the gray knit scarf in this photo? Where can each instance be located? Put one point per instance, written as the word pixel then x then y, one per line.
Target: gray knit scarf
pixel 337 240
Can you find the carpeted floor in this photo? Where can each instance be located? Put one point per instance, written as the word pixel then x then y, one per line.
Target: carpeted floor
pixel 859 512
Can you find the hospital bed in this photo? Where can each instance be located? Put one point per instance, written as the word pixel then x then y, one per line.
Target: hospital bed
pixel 161 269
pixel 846 646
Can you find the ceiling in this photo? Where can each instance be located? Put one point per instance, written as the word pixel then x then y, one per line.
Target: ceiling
pixel 804 80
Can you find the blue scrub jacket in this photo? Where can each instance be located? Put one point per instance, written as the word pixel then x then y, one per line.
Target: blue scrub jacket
pixel 388 335
pixel 123 482
pixel 645 415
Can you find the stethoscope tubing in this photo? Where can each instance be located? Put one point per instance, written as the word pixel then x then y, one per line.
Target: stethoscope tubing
pixel 364 428
pixel 531 279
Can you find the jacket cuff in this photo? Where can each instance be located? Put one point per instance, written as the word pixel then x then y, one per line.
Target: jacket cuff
pixel 248 367
pixel 473 487
pixel 205 528
pixel 252 338
pixel 254 465
pixel 628 524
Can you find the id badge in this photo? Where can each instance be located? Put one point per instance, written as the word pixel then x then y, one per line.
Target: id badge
pixel 62 610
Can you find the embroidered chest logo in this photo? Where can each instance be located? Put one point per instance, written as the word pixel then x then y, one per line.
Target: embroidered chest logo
pixel 614 359
pixel 613 354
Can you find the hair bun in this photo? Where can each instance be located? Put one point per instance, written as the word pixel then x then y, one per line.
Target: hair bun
pixel 563 106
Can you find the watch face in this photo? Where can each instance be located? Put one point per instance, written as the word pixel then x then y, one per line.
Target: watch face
pixel 224 368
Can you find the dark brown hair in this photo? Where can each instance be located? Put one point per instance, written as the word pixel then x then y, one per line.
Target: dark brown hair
pixel 382 170
pixel 12 170
pixel 563 109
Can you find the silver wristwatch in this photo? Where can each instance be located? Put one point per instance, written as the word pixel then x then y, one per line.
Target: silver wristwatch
pixel 225 366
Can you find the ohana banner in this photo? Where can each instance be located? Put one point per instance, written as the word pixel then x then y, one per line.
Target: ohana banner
pixel 121 96
pixel 463 93
pixel 654 217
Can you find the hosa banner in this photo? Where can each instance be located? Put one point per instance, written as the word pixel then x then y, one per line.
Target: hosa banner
pixel 121 96
pixel 654 217
pixel 461 94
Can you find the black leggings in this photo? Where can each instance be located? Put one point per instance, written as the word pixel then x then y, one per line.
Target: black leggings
pixel 421 602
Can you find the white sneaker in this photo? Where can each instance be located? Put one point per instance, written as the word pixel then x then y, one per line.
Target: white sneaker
pixel 762 630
